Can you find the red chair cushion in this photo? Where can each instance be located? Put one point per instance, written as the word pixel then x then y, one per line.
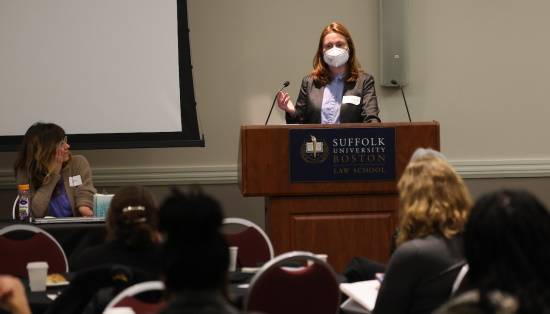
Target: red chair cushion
pixel 253 248
pixel 140 307
pixel 310 290
pixel 16 254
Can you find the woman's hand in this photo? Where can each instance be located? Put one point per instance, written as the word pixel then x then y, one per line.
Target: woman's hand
pixel 85 211
pixel 58 160
pixel 284 102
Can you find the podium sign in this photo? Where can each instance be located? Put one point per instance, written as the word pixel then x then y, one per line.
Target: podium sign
pixel 342 154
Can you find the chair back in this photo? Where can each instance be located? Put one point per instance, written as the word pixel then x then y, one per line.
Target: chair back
pixel 40 246
pixel 254 244
pixel 126 298
pixel 276 289
pixel 15 210
pixel 92 289
pixel 461 281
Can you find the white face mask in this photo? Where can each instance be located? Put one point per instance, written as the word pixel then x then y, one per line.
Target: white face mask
pixel 336 56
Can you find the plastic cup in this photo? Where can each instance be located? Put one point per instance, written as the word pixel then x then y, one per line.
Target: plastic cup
pixel 38 271
pixel 233 258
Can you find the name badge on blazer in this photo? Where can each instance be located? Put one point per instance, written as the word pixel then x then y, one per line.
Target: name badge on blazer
pixel 75 181
pixel 351 100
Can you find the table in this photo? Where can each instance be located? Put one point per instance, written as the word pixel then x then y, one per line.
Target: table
pixel 39 301
pixel 238 288
pixel 73 237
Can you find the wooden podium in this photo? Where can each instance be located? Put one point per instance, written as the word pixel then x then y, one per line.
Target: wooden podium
pixel 341 219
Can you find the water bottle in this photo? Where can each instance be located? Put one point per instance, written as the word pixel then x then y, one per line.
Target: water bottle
pixel 24 202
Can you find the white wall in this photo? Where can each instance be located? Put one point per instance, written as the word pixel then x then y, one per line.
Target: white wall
pixel 478 67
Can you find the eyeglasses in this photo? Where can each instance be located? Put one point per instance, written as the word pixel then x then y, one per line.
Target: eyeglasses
pixel 63 142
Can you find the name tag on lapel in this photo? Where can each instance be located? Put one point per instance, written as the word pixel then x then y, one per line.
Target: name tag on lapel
pixel 351 100
pixel 75 181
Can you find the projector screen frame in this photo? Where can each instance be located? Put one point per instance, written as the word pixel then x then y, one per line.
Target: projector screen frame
pixel 189 136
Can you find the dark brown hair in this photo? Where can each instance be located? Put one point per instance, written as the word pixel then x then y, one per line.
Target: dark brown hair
pixel 37 151
pixel 132 227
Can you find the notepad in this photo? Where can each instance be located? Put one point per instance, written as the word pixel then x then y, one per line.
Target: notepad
pixel 64 220
pixel 362 292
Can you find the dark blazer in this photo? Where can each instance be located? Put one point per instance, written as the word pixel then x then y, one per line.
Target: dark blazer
pixel 310 101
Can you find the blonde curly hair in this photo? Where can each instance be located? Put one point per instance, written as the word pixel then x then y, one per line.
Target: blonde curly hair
pixel 432 198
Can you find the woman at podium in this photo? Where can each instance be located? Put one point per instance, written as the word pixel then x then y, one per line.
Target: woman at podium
pixel 337 90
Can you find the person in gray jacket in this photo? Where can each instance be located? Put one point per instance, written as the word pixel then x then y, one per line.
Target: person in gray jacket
pixel 434 205
pixel 337 90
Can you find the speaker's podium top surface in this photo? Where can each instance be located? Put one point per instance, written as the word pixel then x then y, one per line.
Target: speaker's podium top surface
pixel 264 167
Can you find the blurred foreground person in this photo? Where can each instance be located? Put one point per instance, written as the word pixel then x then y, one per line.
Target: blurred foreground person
pixel 12 295
pixel 196 255
pixel 507 241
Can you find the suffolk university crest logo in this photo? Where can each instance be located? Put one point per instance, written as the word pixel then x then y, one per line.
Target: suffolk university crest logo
pixel 314 151
pixel 341 154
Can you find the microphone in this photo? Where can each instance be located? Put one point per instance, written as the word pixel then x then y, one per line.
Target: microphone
pixel 285 84
pixel 394 82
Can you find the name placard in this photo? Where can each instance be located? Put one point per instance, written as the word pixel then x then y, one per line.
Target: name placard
pixel 342 154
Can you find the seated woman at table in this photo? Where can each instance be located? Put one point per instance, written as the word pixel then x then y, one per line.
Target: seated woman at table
pixel 506 243
pixel 433 206
pixel 196 255
pixel 132 233
pixel 60 184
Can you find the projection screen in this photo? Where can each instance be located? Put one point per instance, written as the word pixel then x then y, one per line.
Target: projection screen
pixel 112 73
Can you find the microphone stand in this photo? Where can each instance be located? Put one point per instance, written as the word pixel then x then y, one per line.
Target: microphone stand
pixel 273 105
pixel 394 82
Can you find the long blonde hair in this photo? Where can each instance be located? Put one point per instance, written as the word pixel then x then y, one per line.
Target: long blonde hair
pixel 432 198
pixel 37 151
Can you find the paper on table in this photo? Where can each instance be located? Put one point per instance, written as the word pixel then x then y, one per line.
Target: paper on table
pixel 251 270
pixel 362 292
pixel 55 284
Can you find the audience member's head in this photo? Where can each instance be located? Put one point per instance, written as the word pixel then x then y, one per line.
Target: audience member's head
pixel 37 152
pixel 507 244
pixel 432 199
pixel 423 152
pixel 196 255
pixel 132 217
